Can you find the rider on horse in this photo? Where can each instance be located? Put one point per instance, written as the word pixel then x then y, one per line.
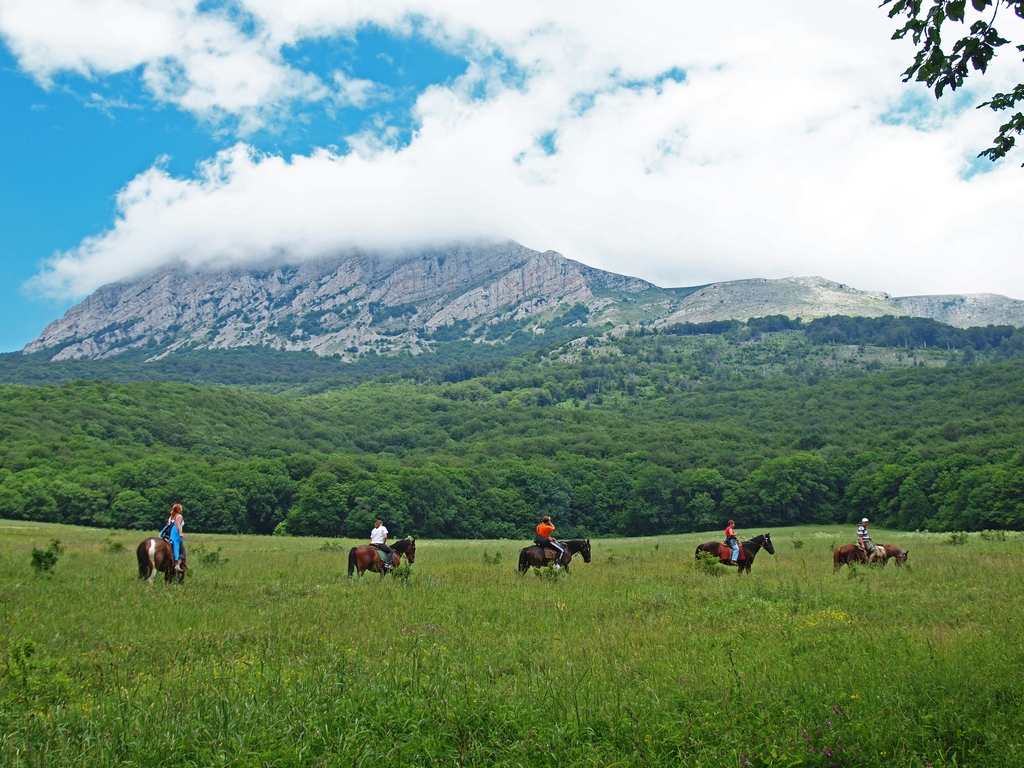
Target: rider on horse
pixel 173 533
pixel 731 541
pixel 379 540
pixel 545 539
pixel 864 540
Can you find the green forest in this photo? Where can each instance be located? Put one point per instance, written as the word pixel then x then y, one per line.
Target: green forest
pixel 772 422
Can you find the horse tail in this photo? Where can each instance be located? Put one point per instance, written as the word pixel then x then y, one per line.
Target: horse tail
pixel 143 557
pixel 351 561
pixel 836 563
pixel 524 561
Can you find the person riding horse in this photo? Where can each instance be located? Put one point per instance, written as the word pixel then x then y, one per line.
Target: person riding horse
pixel 173 533
pixel 379 540
pixel 731 541
pixel 545 539
pixel 864 540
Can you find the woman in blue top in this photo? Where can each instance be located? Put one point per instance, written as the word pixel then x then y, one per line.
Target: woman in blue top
pixel 176 523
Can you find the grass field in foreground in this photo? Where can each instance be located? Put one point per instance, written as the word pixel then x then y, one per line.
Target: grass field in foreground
pixel 270 656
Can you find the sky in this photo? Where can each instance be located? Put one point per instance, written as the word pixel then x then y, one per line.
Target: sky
pixel 680 142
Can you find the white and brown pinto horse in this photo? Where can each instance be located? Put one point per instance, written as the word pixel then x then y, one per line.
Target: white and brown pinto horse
pixel 156 554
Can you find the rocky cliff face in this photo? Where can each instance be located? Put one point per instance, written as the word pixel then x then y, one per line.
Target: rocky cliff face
pixel 351 305
pixel 343 306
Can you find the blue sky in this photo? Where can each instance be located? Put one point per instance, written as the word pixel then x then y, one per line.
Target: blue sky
pixel 74 144
pixel 668 142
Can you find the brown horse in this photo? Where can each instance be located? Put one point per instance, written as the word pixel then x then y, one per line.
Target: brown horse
pixel 848 554
pixel 365 557
pixel 539 556
pixel 156 554
pixel 892 551
pixel 748 549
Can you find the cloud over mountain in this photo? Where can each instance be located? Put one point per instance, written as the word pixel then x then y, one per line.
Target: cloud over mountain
pixel 683 143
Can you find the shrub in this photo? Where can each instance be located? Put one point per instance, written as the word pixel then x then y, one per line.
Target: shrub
pixel 708 564
pixel 402 574
pixel 212 558
pixel 43 560
pixel 957 539
pixel 112 546
pixel 798 543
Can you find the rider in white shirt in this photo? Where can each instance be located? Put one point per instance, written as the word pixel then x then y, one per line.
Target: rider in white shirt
pixel 379 540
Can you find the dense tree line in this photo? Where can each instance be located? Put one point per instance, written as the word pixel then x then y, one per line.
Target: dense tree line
pixel 655 433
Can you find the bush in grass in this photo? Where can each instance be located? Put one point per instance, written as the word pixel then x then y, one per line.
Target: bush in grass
pixel 43 560
pixel 957 539
pixel 708 564
pixel 402 574
pixel 798 543
pixel 112 546
pixel 212 558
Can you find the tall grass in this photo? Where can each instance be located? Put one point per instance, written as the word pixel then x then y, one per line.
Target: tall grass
pixel 270 656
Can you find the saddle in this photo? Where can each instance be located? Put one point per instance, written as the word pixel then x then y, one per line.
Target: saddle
pixel 725 553
pixel 550 554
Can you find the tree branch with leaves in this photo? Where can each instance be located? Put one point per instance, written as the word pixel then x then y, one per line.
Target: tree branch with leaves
pixel 941 67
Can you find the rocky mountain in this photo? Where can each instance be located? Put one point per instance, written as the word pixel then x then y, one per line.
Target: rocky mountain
pixel 345 306
pixel 352 305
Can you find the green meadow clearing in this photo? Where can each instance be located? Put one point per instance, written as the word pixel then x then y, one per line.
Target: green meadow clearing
pixel 270 656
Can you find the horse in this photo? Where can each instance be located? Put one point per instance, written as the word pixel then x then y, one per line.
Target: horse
pixel 894 551
pixel 851 553
pixel 366 557
pixel 156 554
pixel 539 556
pixel 748 549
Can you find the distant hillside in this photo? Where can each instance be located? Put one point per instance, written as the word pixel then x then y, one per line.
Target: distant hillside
pixel 361 305
pixel 814 297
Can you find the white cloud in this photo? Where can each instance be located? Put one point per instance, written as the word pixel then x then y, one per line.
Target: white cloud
pixel 771 159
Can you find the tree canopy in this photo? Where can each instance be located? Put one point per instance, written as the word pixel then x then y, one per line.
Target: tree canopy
pixel 940 65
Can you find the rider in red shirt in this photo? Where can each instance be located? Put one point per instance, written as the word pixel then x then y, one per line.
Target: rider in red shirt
pixel 731 541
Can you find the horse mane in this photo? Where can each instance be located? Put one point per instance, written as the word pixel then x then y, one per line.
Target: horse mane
pixel 403 545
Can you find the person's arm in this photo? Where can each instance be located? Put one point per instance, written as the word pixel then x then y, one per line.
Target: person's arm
pixel 177 524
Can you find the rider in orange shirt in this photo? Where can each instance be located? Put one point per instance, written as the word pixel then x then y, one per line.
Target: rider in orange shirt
pixel 544 538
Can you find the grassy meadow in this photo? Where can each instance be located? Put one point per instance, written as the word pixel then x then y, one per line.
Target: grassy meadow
pixel 270 656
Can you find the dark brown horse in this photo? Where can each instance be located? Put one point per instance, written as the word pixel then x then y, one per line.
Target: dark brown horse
pixel 367 558
pixel 156 554
pixel 748 549
pixel 848 554
pixel 893 552
pixel 539 556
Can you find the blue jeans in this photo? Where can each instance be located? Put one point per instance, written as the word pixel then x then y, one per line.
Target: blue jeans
pixel 731 541
pixel 179 548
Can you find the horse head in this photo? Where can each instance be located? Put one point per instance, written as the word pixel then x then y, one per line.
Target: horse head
pixel 767 543
pixel 410 551
pixel 585 550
